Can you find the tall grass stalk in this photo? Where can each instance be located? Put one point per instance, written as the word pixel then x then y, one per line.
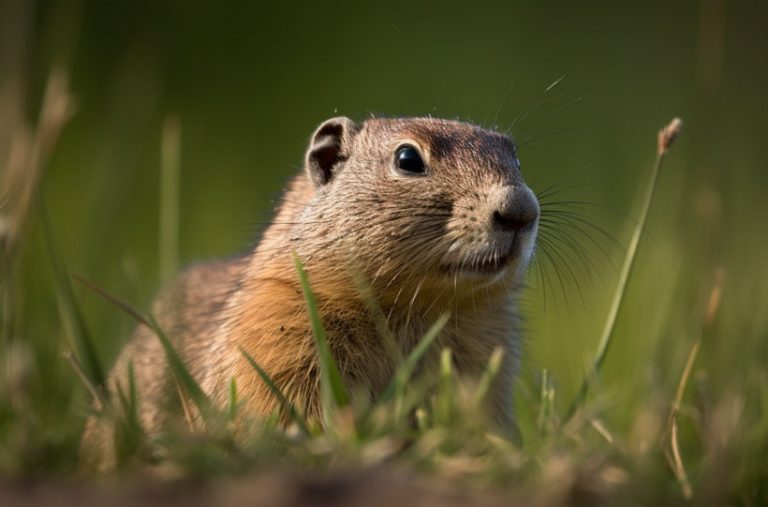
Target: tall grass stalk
pixel 666 137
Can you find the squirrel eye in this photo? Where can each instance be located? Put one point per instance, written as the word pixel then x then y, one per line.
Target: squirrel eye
pixel 409 161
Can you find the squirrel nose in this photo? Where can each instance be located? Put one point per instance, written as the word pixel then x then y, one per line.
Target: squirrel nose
pixel 517 210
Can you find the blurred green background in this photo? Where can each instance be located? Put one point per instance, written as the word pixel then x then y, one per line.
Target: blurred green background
pixel 250 80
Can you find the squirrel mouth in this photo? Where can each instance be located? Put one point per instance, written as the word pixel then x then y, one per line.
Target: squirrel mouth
pixel 482 265
pixel 488 262
pixel 491 263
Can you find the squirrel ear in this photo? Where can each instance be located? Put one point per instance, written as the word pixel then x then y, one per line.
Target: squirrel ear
pixel 329 147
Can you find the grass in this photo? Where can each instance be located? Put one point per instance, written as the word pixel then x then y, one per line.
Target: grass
pixel 703 443
pixel 666 137
pixel 333 393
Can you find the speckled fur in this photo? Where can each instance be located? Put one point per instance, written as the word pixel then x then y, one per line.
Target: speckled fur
pixel 409 242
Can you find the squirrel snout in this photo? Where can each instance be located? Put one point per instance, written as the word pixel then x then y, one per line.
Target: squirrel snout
pixel 517 209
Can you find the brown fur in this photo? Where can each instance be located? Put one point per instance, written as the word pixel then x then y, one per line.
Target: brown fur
pixel 418 246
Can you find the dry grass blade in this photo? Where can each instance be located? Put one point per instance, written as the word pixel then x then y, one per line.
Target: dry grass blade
pixel 130 310
pixel 546 402
pixel 185 408
pixel 29 155
pixel 23 156
pixel 677 461
pixel 666 137
pixel 78 368
pixel 601 430
pixel 668 134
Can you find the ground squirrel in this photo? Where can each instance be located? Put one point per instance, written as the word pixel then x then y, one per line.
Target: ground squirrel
pixel 433 215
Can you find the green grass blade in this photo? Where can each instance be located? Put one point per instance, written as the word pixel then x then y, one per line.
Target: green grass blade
pixel 405 371
pixel 334 394
pixel 180 371
pixel 489 375
pixel 383 330
pixel 129 435
pixel 445 401
pixel 74 322
pixel 409 365
pixel 285 404
pixel 233 401
pixel 129 401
